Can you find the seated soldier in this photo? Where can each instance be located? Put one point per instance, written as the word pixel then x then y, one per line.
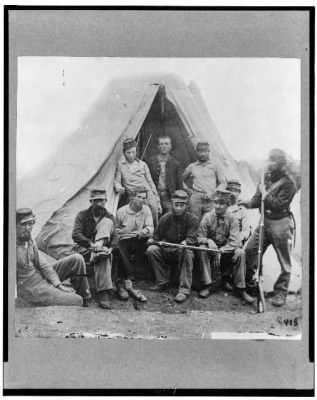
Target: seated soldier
pixel 238 211
pixel 39 282
pixel 134 226
pixel 219 230
pixel 178 226
pixel 132 172
pixel 95 236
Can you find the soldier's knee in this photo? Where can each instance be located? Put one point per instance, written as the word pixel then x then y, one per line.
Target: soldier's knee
pixel 153 249
pixel 239 252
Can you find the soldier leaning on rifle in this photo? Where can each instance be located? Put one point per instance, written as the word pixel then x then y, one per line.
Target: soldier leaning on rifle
pixel 279 190
pixel 39 282
pixel 202 178
pixel 178 226
pixel 166 172
pixel 134 227
pixel 238 211
pixel 131 173
pixel 219 230
pixel 95 236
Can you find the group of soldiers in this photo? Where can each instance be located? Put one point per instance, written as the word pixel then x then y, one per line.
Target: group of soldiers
pixel 170 217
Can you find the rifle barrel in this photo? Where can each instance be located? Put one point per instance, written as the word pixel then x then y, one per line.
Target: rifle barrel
pixel 182 246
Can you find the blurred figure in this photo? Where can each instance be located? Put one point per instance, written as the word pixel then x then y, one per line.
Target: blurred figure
pixel 277 192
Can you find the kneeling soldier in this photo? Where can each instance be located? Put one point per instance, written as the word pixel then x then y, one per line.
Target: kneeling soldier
pixel 134 226
pixel 39 282
pixel 219 230
pixel 178 226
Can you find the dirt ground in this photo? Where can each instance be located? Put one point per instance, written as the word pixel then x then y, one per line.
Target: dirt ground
pixel 220 315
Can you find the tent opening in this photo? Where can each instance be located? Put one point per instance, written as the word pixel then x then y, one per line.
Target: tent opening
pixel 164 120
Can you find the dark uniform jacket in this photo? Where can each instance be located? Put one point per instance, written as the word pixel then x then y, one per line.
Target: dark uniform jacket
pixel 174 229
pixel 84 230
pixel 174 180
pixel 277 202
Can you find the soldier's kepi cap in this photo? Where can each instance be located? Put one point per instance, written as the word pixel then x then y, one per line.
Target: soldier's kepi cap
pixel 223 194
pixel 98 194
pixel 202 146
pixel 233 184
pixel 128 143
pixel 180 196
pixel 24 215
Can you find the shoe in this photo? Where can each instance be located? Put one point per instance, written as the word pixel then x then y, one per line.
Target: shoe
pixel 242 294
pixel 122 293
pixel 137 294
pixel 158 288
pixel 279 300
pixel 104 300
pixel 252 291
pixel 85 302
pixel 227 286
pixel 181 297
pixel 205 292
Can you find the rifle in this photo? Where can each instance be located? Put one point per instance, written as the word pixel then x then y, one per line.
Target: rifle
pixel 259 272
pixel 183 246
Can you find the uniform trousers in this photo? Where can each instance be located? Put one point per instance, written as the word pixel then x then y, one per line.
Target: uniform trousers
pixel 279 234
pixel 126 248
pixel 102 264
pixel 198 205
pixel 38 291
pixel 162 259
pixel 232 267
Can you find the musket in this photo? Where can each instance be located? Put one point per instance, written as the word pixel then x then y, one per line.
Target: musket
pixel 183 246
pixel 259 272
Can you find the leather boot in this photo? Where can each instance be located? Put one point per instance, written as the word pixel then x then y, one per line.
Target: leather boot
pixel 104 299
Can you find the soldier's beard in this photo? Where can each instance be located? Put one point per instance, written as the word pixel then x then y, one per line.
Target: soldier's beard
pixel 97 211
pixel 276 174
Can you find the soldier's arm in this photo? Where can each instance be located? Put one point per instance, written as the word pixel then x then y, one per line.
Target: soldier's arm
pixel 78 235
pixel 48 271
pixel 118 179
pixel 220 176
pixel 282 198
pixel 187 174
pixel 234 237
pixel 191 237
pixel 179 176
pixel 245 225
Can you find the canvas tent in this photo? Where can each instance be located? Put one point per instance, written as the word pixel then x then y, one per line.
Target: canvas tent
pixel 139 107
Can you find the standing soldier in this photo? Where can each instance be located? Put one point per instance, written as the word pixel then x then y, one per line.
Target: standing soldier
pixel 131 173
pixel 135 227
pixel 238 211
pixel 277 193
pixel 95 236
pixel 202 177
pixel 166 172
pixel 39 282
pixel 219 230
pixel 178 226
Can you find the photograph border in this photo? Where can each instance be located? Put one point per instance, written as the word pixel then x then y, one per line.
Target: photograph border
pixel 17 42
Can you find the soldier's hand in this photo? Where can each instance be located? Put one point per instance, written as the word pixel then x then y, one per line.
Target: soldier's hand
pixel 242 203
pixel 66 289
pixel 203 241
pixel 150 242
pixel 189 191
pixel 96 247
pixel 124 230
pixel 121 190
pixel 211 244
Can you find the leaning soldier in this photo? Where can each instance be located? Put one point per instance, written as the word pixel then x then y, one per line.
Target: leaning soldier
pixel 202 178
pixel 134 227
pixel 131 173
pixel 166 172
pixel 39 282
pixel 219 230
pixel 178 226
pixel 278 192
pixel 95 236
